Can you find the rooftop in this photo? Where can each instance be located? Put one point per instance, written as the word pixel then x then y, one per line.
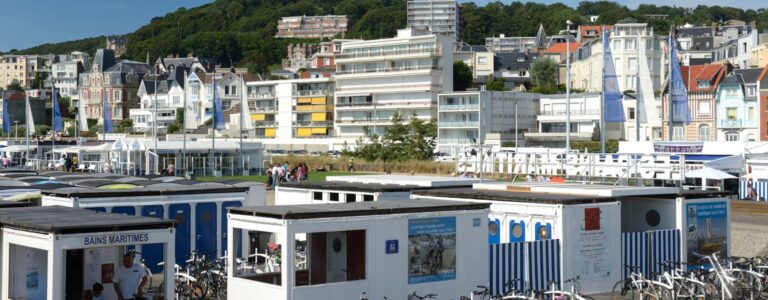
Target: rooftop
pixel 406 180
pixel 336 210
pixel 66 220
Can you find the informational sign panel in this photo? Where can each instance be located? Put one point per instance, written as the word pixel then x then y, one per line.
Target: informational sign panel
pixel 707 231
pixel 431 249
pixel 591 243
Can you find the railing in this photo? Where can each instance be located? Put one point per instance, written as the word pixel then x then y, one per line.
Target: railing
pixel 306 93
pixel 313 123
pixel 352 104
pixel 731 123
pixel 315 107
pixel 454 141
pixel 263 108
pixel 588 112
pixel 704 138
pixel 261 95
pixel 265 123
pixel 388 87
pixel 458 106
pixel 458 123
pixel 381 105
pixel 388 53
pixel 370 120
pixel 386 70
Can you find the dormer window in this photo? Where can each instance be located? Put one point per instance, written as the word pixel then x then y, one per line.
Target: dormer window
pixel 521 59
pixel 751 91
pixel 702 84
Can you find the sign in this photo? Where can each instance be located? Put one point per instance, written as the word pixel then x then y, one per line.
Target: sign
pixel 392 247
pixel 678 147
pixel 431 249
pixel 707 231
pixel 115 239
pixel 476 222
pixel 107 273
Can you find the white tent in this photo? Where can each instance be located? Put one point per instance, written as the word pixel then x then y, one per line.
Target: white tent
pixel 709 173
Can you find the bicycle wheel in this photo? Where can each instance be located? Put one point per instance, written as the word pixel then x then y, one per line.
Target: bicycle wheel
pixel 623 287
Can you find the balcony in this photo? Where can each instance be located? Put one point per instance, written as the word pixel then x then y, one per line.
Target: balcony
pixel 265 123
pixel 389 88
pixel 458 107
pixel 310 108
pixel 731 124
pixel 389 53
pixel 389 70
pixel 588 112
pixel 263 109
pixel 472 124
pixel 261 95
pixel 313 123
pixel 454 141
pixel 312 93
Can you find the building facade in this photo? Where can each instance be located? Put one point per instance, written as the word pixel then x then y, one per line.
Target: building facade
pixel 701 82
pixel 585 120
pixel 118 81
pixel 377 79
pixel 587 66
pixel 737 110
pixel 117 44
pixel 503 43
pixel 65 73
pixel 312 27
pixel 478 58
pixel 22 68
pixel 441 17
pixel 163 95
pixel 758 56
pixel 465 118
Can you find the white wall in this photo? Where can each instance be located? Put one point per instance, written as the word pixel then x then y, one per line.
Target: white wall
pixel 635 211
pixel 284 117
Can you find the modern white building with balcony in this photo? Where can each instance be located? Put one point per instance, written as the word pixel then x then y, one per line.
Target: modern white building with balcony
pixel 585 120
pixel 65 73
pixel 465 118
pixel 377 79
pixel 438 16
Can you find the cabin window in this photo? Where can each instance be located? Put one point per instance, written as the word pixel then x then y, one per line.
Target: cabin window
pixel 261 256
pixel 317 196
pixel 367 198
pixel 328 257
pixel 334 197
pixel 350 198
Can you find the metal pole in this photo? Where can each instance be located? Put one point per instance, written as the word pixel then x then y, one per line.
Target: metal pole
pixel 669 84
pixel 602 101
pixel 243 98
pixel 154 132
pixel 637 91
pixel 53 125
pixel 26 120
pixel 516 131
pixel 184 128
pixel 567 88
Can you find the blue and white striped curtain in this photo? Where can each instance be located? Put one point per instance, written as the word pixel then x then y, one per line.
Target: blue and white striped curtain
pixel 543 263
pixel 648 249
pixel 664 247
pixel 507 263
pixel 634 249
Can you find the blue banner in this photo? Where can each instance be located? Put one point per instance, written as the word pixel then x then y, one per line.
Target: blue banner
pixel 677 93
pixel 57 124
pixel 107 113
pixel 6 116
pixel 431 249
pixel 218 114
pixel 613 109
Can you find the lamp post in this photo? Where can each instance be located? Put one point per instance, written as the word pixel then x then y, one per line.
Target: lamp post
pixel 16 131
pixel 568 86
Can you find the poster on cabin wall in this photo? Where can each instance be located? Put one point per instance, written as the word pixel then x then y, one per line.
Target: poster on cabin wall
pixel 431 249
pixel 591 240
pixel 707 232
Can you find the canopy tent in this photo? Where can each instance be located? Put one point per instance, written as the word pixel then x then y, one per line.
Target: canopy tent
pixel 709 173
pixel 733 163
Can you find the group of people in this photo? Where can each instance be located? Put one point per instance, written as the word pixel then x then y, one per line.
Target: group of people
pixel 68 162
pixel 129 281
pixel 286 173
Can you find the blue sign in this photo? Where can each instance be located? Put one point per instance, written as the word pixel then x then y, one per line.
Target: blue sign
pixel 707 232
pixel 431 249
pixel 392 246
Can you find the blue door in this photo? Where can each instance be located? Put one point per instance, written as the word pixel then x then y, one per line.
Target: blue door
pixel 224 240
pixel 152 253
pixel 99 209
pixel 205 228
pixel 494 231
pixel 125 210
pixel 543 231
pixel 181 213
pixel 516 231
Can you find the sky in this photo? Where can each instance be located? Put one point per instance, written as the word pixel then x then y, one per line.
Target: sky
pixel 27 23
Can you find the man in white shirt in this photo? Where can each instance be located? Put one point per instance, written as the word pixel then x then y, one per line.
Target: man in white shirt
pixel 129 279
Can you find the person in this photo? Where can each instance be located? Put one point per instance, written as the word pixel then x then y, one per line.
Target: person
pixel 6 161
pixel 107 167
pixel 97 290
pixel 74 163
pixel 351 166
pixel 68 167
pixel 171 169
pixel 269 178
pixel 129 279
pixel 63 161
pixel 87 295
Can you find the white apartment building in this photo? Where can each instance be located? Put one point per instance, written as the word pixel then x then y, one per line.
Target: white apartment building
pixel 438 16
pixel 503 43
pixel 376 79
pixel 478 58
pixel 587 66
pixel 66 71
pixel 286 109
pixel 465 118
pixel 585 120
pixel 167 95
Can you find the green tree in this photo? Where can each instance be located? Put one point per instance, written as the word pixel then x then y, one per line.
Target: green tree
pixel 125 126
pixel 462 76
pixel 39 81
pixel 497 84
pixel 398 142
pixel 544 73
pixel 15 86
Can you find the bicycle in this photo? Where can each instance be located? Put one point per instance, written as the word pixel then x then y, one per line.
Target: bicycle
pixel 415 296
pixel 574 294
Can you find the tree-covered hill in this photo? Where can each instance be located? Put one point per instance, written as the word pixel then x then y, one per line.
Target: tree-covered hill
pixel 241 32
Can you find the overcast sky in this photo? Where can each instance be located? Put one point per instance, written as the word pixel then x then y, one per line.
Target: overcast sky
pixel 27 23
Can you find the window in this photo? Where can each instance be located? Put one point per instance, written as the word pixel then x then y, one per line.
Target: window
pixel 317 196
pixel 657 133
pixel 116 95
pixel 678 133
pixel 367 198
pixel 176 100
pixel 751 91
pixel 704 132
pixel 731 136
pixel 730 113
pixel 349 198
pixel 482 60
pixel 325 252
pixel 703 84
pixel 750 114
pixel 631 113
pixel 632 63
pixel 629 44
pixel 703 108
pixel 334 197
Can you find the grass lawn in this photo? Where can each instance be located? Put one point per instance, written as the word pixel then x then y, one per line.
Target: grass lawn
pixel 313 176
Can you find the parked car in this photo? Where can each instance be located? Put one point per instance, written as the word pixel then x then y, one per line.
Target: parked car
pixel 334 153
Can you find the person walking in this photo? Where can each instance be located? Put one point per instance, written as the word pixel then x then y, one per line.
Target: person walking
pixel 171 169
pixel 6 162
pixel 351 165
pixel 68 164
pixel 129 279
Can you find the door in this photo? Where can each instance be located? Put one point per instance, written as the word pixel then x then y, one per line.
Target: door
pixel 337 256
pixel 153 253
pixel 356 255
pixel 494 231
pixel 205 228
pixel 224 240
pixel 181 213
pixel 125 210
pixel 516 231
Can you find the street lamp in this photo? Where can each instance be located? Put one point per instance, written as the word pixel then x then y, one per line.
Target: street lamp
pixel 568 85
pixel 16 132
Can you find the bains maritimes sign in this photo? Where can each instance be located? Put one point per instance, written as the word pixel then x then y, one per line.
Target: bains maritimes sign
pixel 116 239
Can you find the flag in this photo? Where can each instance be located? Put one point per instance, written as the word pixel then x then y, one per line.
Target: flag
pixel 613 109
pixel 218 114
pixel 245 108
pixel 81 115
pixel 6 116
pixel 57 126
pixel 190 117
pixel 107 114
pixel 646 101
pixel 30 122
pixel 677 93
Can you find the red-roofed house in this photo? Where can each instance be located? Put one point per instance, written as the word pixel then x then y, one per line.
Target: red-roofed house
pixel 558 53
pixel 701 81
pixel 591 32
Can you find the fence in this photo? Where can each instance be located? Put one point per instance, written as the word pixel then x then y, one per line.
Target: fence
pixel 532 264
pixel 647 250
